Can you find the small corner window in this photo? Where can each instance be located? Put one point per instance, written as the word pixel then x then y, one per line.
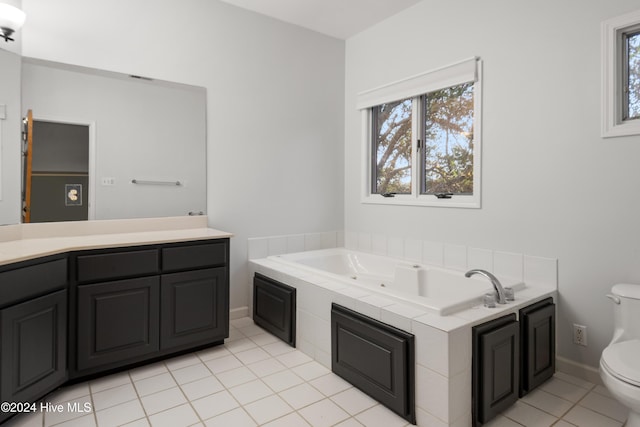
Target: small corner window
pixel 621 76
pixel 424 149
pixel 631 79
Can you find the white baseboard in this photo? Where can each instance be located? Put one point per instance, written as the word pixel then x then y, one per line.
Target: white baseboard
pixel 580 370
pixel 237 313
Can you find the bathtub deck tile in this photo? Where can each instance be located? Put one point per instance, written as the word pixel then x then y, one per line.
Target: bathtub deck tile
pixel 353 292
pixel 368 309
pixel 344 300
pixel 333 285
pixel 377 301
pixel 316 279
pixel 476 313
pixel 444 323
pixel 405 310
pixel 395 320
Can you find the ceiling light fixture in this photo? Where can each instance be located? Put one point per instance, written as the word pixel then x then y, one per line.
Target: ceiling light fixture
pixel 11 20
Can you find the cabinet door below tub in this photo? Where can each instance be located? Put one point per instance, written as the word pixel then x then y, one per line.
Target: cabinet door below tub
pixel 496 367
pixel 274 308
pixel 538 344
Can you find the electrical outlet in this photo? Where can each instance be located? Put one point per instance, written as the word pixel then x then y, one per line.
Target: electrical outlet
pixel 580 334
pixel 107 180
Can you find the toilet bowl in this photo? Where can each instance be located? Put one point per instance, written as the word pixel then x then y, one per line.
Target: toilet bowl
pixel 620 373
pixel 620 361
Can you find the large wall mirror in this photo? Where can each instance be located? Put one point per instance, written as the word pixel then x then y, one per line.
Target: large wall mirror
pixel 110 146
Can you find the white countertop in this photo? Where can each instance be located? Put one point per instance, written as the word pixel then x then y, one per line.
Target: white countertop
pixel 29 241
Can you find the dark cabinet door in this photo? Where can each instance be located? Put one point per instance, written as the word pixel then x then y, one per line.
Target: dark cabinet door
pixel 194 308
pixel 376 358
pixel 538 344
pixel 274 308
pixel 33 347
pixel 496 367
pixel 118 322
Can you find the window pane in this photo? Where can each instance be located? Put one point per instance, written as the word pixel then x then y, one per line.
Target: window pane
pixel 392 147
pixel 633 56
pixel 448 134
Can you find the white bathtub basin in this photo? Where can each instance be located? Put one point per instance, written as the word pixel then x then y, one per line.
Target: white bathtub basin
pixel 439 290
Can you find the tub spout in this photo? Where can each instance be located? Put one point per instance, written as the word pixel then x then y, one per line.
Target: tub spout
pixel 494 281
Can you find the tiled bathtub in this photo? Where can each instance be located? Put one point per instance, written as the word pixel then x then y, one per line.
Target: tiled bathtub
pixel 443 343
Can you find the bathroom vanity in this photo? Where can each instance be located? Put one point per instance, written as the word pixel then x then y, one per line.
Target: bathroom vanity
pixel 77 306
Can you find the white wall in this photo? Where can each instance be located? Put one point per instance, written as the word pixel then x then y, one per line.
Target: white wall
pixel 274 112
pixel 551 186
pixel 10 146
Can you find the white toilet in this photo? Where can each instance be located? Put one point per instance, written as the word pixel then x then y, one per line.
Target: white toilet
pixel 620 361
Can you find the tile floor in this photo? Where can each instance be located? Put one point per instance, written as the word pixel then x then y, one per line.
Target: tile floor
pixel 255 379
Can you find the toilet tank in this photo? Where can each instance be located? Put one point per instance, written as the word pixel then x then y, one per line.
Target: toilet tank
pixel 626 298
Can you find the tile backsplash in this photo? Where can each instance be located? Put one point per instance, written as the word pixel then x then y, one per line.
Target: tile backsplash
pixel 531 269
pixel 262 247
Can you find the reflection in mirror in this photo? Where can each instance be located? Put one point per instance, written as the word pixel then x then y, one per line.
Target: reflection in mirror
pixel 95 133
pixel 56 161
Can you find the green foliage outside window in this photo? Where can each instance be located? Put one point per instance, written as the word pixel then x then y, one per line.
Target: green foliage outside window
pixel 448 147
pixel 446 152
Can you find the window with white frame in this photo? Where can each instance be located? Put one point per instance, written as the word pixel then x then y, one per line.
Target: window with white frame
pixel 621 76
pixel 421 139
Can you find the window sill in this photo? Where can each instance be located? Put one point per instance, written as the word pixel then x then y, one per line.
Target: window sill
pixel 468 202
pixel 621 129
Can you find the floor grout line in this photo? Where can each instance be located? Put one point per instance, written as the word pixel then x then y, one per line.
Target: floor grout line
pixel 232 347
pixel 589 390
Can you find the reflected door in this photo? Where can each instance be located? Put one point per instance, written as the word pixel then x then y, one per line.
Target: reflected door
pixel 57 172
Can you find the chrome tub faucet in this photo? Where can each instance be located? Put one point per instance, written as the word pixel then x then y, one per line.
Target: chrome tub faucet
pixel 494 281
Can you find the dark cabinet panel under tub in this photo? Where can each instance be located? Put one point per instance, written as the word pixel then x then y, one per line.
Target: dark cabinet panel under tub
pixel 537 344
pixel 274 308
pixel 495 367
pixel 376 358
pixel 193 307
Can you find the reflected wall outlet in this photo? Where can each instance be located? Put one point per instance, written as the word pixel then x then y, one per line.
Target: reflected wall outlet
pixel 107 180
pixel 580 334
